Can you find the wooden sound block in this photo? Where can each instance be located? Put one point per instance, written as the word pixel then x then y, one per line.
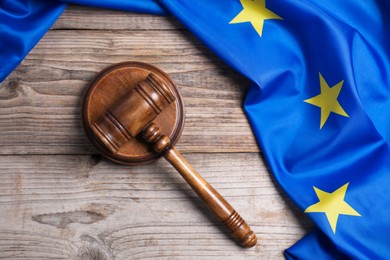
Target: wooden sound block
pixel 108 88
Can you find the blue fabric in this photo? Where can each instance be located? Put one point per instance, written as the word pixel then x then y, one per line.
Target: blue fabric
pixel 142 6
pixel 22 24
pixel 334 166
pixel 314 245
pixel 319 101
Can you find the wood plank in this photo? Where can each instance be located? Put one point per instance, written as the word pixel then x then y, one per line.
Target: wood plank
pixel 85 207
pixel 87 18
pixel 41 100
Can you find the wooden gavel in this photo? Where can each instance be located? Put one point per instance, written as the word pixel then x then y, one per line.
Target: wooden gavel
pixel 132 117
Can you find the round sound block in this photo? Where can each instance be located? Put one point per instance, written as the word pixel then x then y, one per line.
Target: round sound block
pixel 112 84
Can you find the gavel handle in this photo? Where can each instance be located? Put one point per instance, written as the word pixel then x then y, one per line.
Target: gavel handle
pixel 216 203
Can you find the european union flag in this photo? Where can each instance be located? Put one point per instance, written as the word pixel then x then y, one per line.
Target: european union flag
pixel 319 106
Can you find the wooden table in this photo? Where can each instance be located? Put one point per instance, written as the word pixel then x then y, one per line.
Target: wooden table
pixel 59 199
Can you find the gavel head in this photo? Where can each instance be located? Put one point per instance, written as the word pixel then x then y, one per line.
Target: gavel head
pixel 124 100
pixel 133 112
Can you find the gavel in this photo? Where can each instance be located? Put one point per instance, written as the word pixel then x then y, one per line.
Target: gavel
pixel 132 117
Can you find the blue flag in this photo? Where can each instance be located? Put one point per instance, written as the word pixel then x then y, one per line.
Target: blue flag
pixel 319 105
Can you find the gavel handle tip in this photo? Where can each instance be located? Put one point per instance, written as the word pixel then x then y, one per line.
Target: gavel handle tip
pixel 250 240
pixel 240 230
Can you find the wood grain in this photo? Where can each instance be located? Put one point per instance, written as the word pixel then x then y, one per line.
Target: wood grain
pixel 41 100
pixel 87 18
pixel 70 206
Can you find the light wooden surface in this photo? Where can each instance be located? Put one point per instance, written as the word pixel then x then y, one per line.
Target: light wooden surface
pixel 60 200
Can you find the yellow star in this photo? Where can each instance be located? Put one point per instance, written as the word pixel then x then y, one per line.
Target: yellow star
pixel 332 204
pixel 254 12
pixel 327 100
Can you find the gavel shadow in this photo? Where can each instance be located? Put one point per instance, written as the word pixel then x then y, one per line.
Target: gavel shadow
pixel 201 214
